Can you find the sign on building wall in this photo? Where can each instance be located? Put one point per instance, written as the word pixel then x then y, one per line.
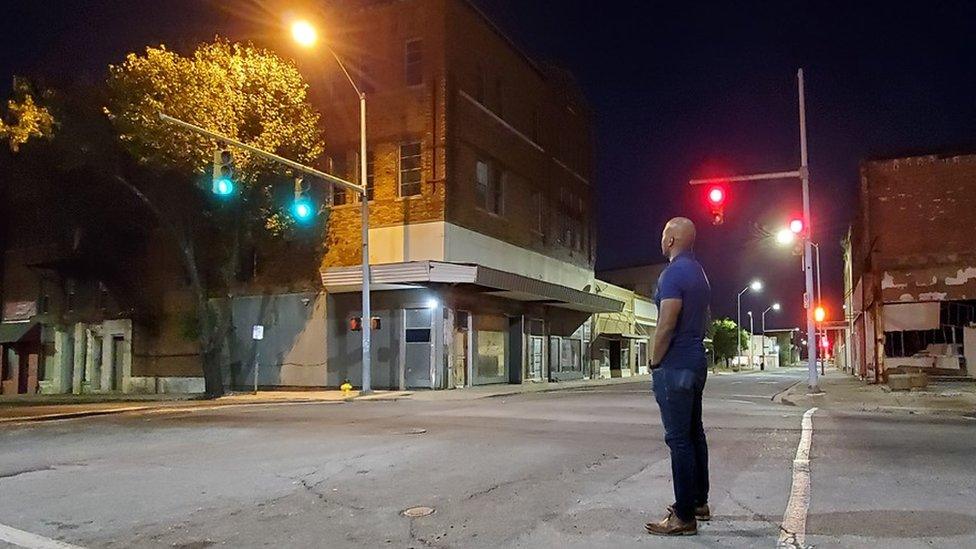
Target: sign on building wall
pixel 19 311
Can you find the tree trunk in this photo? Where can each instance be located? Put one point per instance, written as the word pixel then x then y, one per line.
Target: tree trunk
pixel 206 322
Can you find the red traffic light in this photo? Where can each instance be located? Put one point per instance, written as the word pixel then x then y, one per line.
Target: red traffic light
pixel 796 226
pixel 716 203
pixel 716 195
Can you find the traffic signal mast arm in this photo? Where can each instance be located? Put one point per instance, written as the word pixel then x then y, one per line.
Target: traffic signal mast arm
pixel 265 154
pixel 755 177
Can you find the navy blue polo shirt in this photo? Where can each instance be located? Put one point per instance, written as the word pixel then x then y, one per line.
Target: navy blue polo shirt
pixel 685 279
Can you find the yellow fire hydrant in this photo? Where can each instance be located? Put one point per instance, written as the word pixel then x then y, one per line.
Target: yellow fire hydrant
pixel 346 388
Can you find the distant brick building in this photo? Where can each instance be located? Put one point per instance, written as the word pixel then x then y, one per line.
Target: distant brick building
pixel 481 233
pixel 910 261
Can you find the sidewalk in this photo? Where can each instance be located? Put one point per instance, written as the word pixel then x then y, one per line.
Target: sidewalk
pixel 45 408
pixel 844 392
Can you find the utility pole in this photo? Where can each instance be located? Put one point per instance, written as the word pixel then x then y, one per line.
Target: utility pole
pixel 803 174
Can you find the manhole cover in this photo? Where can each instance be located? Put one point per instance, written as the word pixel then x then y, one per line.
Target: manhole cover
pixel 417 512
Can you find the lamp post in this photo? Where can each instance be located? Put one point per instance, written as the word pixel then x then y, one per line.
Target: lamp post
pixel 755 285
pixel 803 174
pixel 750 338
pixel 305 35
pixel 774 307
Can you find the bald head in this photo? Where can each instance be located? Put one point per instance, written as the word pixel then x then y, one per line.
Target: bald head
pixel 678 236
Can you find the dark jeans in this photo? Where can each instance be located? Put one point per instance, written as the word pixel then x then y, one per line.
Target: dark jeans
pixel 679 394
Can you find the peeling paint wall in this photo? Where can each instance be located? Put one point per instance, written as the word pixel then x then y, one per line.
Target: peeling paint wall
pixel 915 228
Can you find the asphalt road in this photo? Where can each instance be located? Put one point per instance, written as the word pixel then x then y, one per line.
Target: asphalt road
pixel 581 468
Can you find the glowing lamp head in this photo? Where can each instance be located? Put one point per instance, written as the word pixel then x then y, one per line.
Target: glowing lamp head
pixel 796 226
pixel 755 285
pixel 785 237
pixel 775 306
pixel 304 33
pixel 819 314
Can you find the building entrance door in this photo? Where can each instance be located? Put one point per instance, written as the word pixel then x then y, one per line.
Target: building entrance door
pixel 536 346
pixel 615 358
pixel 419 356
pixel 462 333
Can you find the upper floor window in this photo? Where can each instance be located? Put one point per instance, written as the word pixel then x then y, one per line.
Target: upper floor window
pixel 370 174
pixel 489 187
pixel 538 205
pixel 337 167
pixel 499 98
pixel 481 85
pixel 413 58
pixel 410 169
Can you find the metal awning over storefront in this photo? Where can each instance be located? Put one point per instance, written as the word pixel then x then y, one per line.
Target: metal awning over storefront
pixel 13 332
pixel 610 335
pixel 391 276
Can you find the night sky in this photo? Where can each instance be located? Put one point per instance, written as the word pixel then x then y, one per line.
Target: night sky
pixel 677 90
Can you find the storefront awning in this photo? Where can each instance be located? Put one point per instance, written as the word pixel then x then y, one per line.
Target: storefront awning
pixel 607 335
pixel 13 332
pixel 497 283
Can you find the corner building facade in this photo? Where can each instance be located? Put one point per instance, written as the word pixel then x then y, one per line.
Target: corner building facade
pixel 479 170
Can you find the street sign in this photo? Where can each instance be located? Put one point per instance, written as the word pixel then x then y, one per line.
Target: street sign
pixel 257 334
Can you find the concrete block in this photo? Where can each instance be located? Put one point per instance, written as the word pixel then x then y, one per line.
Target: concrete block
pixel 900 382
pixel 181 385
pixel 918 381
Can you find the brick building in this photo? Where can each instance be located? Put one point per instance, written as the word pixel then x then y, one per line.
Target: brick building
pixel 481 239
pixel 910 267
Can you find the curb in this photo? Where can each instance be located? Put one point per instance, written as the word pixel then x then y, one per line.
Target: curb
pixel 780 397
pixel 155 410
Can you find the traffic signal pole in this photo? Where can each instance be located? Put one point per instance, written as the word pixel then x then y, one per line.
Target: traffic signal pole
pixel 328 178
pixel 803 174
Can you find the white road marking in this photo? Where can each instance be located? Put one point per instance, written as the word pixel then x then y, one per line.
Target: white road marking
pixel 21 538
pixel 793 530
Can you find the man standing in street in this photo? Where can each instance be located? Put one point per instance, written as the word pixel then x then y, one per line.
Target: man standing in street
pixel 678 370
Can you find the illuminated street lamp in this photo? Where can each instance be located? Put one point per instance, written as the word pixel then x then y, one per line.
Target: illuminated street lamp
pixel 785 237
pixel 773 307
pixel 305 34
pixel 756 286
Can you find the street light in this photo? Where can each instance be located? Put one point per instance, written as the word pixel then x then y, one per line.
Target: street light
pixel 773 307
pixel 756 286
pixel 785 237
pixel 750 338
pixel 304 34
pixel 803 174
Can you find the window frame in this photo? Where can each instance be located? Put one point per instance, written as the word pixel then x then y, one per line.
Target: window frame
pixel 419 169
pixel 417 64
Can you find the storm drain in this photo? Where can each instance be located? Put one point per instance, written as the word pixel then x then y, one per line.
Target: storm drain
pixel 418 512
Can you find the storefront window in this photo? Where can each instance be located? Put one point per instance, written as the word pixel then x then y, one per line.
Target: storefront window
pixel 490 363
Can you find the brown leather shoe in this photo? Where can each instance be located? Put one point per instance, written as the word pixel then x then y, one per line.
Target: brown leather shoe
pixel 702 512
pixel 672 526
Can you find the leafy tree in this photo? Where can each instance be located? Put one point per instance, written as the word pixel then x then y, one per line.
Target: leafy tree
pixel 25 118
pixel 723 332
pixel 244 92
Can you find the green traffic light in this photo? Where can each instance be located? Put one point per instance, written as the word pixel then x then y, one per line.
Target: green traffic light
pixel 223 187
pixel 302 210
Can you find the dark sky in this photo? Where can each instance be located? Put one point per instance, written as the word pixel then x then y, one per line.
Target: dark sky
pixel 677 90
